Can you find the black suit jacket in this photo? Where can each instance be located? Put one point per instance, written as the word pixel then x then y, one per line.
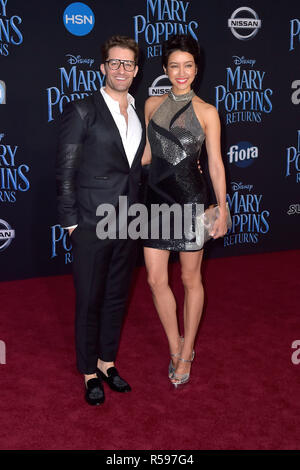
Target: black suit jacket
pixel 92 167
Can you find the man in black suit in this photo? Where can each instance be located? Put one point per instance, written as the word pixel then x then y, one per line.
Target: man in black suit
pixel 101 142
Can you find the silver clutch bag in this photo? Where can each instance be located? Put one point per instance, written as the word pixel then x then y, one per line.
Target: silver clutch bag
pixel 205 223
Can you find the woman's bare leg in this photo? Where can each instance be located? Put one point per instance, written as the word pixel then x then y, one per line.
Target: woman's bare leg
pixel 193 304
pixel 157 268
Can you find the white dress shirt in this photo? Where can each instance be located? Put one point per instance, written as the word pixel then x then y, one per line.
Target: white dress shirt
pixel 131 134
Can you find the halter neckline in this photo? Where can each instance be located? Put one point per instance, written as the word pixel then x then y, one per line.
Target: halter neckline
pixel 185 97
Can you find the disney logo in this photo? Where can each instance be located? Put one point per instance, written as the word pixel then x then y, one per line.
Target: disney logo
pixel 237 186
pixel 78 60
pixel 242 61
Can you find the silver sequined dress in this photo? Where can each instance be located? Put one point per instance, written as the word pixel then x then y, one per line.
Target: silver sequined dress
pixel 176 138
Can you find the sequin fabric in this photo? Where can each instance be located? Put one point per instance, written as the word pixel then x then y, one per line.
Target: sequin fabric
pixel 176 139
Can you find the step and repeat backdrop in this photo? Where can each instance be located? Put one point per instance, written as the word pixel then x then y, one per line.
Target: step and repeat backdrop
pixel 50 55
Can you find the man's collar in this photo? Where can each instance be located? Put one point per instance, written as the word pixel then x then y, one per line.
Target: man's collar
pixel 115 103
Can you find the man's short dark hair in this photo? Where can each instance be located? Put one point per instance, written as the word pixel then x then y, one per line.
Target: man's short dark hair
pixel 120 41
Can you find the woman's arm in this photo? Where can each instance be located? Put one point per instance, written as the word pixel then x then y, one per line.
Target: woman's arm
pixel 151 105
pixel 216 166
pixel 146 158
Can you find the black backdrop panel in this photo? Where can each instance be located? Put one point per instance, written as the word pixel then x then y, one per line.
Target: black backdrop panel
pixel 254 82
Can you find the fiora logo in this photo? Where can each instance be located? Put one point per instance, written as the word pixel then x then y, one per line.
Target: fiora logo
pixel 242 154
pixel 79 19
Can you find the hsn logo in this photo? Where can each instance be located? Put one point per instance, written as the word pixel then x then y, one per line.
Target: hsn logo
pixel 79 19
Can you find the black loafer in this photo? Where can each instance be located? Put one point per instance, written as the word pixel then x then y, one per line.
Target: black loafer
pixel 94 394
pixel 114 381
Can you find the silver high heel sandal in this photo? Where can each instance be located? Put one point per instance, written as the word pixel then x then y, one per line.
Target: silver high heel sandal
pixel 171 367
pixel 182 378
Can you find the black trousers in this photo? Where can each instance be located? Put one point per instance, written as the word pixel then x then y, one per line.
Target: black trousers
pixel 102 274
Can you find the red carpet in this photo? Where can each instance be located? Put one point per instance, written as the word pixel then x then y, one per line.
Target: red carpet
pixel 244 389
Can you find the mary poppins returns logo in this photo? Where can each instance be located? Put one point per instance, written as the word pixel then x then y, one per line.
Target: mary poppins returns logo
pixel 244 97
pixel 249 216
pixel 161 19
pixel 10 33
pixel 75 81
pixel 13 175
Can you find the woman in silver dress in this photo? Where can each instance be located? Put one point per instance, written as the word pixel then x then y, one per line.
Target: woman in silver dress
pixel 178 123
